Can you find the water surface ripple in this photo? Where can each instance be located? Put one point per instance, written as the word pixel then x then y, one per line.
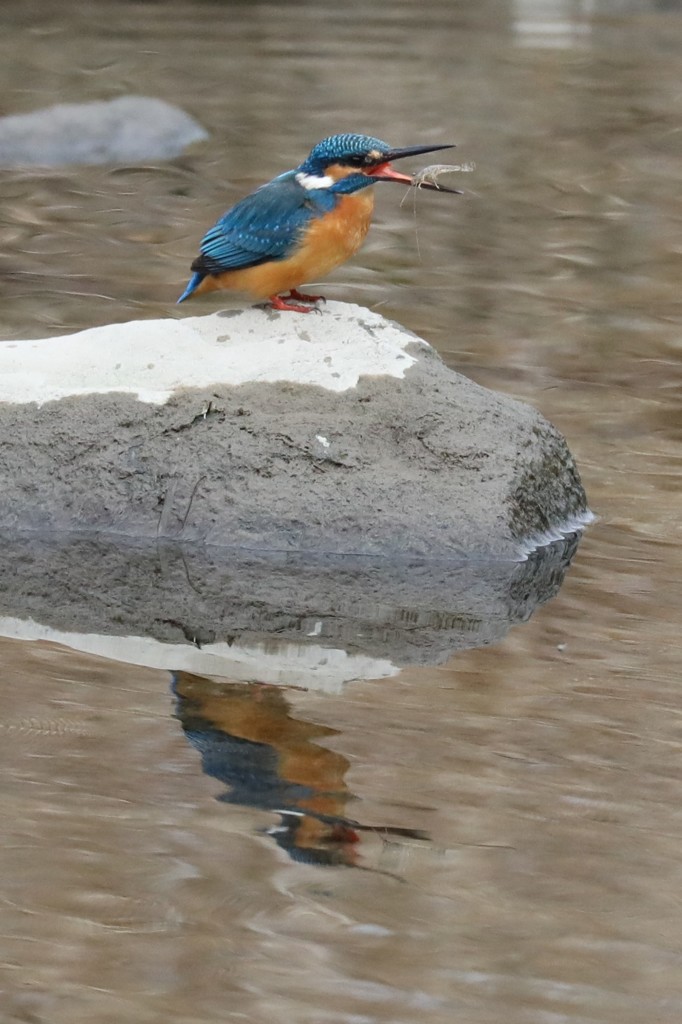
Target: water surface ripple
pixel 504 827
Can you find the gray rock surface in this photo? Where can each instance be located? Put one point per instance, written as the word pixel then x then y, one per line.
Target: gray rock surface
pixel 123 130
pixel 338 432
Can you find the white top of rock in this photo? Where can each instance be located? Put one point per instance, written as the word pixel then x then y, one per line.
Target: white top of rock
pixel 154 359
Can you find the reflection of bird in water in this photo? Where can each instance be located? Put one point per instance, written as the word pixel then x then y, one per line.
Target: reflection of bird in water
pixel 302 224
pixel 269 760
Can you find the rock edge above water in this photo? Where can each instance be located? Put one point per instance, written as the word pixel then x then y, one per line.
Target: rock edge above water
pixel 338 432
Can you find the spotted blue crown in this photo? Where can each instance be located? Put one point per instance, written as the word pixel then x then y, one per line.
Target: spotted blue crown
pixel 341 149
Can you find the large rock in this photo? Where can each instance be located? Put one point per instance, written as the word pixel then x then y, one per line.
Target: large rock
pixel 335 432
pixel 123 130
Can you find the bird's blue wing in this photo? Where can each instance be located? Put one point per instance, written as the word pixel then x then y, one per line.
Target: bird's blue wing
pixel 266 225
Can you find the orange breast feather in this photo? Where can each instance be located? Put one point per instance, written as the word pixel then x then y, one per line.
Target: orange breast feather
pixel 329 241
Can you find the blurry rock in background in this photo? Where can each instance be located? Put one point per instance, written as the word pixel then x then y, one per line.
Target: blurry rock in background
pixel 122 130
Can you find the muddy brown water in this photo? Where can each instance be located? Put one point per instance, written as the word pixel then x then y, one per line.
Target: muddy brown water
pixel 517 852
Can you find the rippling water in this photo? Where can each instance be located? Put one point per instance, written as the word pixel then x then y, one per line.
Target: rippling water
pixel 505 827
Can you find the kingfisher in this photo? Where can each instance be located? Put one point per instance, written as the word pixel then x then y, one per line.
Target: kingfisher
pixel 302 224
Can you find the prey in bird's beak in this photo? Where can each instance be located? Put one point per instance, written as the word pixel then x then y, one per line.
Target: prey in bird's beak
pixel 384 172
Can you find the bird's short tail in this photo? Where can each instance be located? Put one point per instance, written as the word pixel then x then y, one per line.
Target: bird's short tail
pixel 193 283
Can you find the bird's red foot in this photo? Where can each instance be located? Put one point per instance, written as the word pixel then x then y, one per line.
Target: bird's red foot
pixel 300 297
pixel 280 302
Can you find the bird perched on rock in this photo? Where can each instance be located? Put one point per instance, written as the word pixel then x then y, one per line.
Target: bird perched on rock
pixel 302 224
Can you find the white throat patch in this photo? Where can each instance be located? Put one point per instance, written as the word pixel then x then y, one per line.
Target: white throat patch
pixel 310 181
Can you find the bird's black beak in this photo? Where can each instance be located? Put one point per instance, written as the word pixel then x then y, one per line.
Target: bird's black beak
pixel 398 154
pixel 384 171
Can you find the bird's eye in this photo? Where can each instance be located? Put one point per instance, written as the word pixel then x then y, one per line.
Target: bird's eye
pixel 361 160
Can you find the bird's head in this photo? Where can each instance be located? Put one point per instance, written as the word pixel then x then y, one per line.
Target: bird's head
pixel 356 161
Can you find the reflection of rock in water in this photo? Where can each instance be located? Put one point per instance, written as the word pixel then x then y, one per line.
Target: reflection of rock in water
pixel 406 612
pixel 248 740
